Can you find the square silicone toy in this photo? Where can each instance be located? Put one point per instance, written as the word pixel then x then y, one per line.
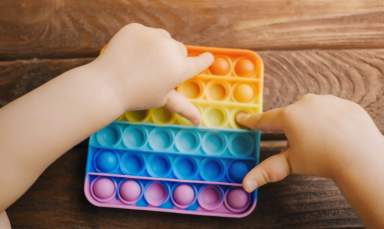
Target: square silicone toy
pixel 156 160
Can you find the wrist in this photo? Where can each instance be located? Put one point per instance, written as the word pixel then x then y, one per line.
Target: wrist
pixel 108 89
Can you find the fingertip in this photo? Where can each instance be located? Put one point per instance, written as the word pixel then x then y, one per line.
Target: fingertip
pixel 249 185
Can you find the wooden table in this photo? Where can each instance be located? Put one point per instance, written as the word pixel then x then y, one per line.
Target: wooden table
pixel 326 47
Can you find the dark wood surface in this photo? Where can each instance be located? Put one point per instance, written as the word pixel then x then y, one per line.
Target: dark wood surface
pixel 327 47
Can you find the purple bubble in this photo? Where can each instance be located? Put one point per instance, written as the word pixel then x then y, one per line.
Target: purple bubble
pixel 103 188
pixel 156 194
pixel 237 200
pixel 130 191
pixel 210 197
pixel 183 195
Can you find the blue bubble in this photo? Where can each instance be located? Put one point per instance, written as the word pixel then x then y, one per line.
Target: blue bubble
pixel 106 161
pixel 131 164
pixel 212 170
pixel 214 143
pixel 108 136
pixel 185 168
pixel 237 171
pixel 158 166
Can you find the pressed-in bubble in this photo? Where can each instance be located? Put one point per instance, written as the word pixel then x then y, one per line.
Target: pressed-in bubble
pixel 103 189
pixel 214 143
pixel 106 161
pixel 210 197
pixel 217 90
pixel 192 89
pixel 215 117
pixel 136 116
pixel 187 141
pixel 237 200
pixel 185 168
pixel 183 195
pixel 109 136
pixel 162 115
pixel 158 166
pixel 134 137
pixel 160 139
pixel 156 193
pixel 237 170
pixel 212 169
pixel 131 163
pixel 241 144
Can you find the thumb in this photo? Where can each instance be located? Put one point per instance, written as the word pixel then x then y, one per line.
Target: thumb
pixel 268 121
pixel 197 64
pixel 272 169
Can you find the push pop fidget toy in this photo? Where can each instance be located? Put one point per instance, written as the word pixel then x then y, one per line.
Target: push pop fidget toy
pixel 156 160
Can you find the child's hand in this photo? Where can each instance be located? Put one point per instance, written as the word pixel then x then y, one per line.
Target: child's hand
pixel 327 136
pixel 143 65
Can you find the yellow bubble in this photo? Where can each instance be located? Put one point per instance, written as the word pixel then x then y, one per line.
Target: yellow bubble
pixel 243 93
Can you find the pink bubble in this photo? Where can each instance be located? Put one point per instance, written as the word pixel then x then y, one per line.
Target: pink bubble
pixel 156 194
pixel 103 188
pixel 237 199
pixel 210 197
pixel 130 191
pixel 183 195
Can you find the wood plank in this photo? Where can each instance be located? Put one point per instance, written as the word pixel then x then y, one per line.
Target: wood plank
pixel 352 74
pixel 72 28
pixel 56 200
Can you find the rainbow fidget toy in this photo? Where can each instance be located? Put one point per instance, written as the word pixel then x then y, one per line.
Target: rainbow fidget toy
pixel 156 160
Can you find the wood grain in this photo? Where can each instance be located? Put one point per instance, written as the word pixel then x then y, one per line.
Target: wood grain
pixel 353 74
pixel 71 28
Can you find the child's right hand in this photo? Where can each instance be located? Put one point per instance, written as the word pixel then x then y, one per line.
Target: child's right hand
pixel 143 65
pixel 327 136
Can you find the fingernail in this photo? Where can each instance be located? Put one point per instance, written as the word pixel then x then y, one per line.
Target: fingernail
pixel 250 185
pixel 241 117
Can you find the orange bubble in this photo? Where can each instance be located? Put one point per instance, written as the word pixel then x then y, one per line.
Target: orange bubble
pixel 244 67
pixel 217 91
pixel 190 89
pixel 243 93
pixel 220 66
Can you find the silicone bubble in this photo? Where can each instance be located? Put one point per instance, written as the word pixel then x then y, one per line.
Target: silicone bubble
pixel 162 115
pixel 215 117
pixel 187 141
pixel 158 166
pixel 237 200
pixel 183 195
pixel 191 89
pixel 243 93
pixel 136 116
pixel 185 168
pixel 109 136
pixel 106 161
pixel 237 170
pixel 210 197
pixel 214 143
pixel 132 164
pixel 212 169
pixel 134 137
pixel 160 139
pixel 103 189
pixel 218 90
pixel 220 66
pixel 130 191
pixel 156 193
pixel 241 144
pixel 244 67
